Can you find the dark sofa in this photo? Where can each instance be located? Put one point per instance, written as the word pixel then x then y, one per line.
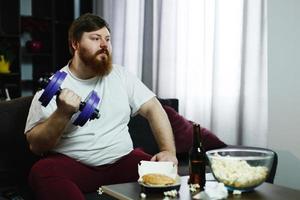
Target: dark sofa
pixel 16 158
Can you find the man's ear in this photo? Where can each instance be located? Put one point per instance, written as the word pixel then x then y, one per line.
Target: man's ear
pixel 75 45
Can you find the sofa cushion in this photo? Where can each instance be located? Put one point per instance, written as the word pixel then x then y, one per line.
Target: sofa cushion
pixel 183 133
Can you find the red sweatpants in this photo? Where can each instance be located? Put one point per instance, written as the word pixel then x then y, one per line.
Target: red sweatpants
pixel 61 178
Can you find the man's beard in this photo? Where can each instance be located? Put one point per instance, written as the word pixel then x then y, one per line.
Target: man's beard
pixel 100 67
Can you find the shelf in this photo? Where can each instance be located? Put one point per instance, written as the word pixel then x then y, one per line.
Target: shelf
pixel 25 53
pixel 49 23
pixel 37 54
pixel 37 18
pixel 9 74
pixel 9 40
pixel 11 36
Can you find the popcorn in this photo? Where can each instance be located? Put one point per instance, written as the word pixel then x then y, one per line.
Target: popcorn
pixel 237 173
pixel 171 193
pixel 236 192
pixel 194 187
pixel 143 195
pixel 100 191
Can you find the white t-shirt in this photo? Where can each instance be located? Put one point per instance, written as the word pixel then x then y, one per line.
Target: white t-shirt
pixel 104 140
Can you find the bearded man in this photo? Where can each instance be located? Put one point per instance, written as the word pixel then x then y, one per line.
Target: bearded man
pixel 77 160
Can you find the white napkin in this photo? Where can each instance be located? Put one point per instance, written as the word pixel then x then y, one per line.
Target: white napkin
pixel 212 191
pixel 166 168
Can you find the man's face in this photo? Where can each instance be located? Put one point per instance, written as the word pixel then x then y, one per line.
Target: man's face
pixel 94 50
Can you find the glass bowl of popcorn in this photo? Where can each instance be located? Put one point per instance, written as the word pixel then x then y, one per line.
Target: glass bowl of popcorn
pixel 240 169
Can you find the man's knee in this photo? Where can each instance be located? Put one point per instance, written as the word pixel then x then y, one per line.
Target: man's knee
pixel 42 169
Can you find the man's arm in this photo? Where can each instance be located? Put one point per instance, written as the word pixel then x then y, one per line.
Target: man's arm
pixel 44 136
pixel 161 128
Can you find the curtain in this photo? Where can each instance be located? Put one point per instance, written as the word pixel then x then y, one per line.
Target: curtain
pixel 239 93
pixel 210 54
pixel 126 19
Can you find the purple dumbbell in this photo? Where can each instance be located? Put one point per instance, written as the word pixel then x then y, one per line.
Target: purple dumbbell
pixel 87 109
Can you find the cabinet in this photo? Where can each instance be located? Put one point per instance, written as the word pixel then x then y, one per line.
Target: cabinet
pixel 38 42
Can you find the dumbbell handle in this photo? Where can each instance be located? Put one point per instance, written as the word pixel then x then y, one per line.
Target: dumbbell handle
pixel 43 82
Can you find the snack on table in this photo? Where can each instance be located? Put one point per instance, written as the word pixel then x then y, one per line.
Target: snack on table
pixel 157 179
pixel 237 173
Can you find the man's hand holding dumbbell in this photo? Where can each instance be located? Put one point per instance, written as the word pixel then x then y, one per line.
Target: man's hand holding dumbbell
pixel 83 111
pixel 68 102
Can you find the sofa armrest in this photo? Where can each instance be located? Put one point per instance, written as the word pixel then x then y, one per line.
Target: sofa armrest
pixel 16 157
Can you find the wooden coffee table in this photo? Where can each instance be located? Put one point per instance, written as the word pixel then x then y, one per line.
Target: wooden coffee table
pixel 266 191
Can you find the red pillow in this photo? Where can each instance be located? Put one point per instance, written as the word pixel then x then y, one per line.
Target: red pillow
pixel 183 133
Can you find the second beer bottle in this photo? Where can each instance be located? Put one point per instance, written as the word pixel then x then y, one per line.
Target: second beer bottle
pixel 197 159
